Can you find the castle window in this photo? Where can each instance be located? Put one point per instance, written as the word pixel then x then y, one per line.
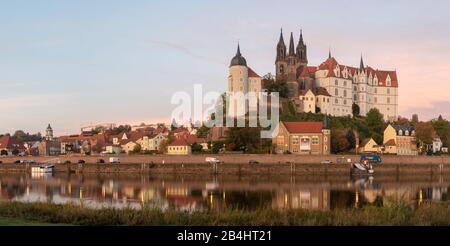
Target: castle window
pixel 345 102
pixel 336 101
pixel 388 91
pixel 388 100
pixel 375 99
pixel 375 90
pixel 336 92
pixel 345 93
pixel 336 82
pixel 345 83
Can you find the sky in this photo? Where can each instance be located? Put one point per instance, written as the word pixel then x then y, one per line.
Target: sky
pixel 75 63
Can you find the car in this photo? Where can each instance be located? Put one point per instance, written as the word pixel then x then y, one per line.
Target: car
pixel 114 160
pixel 67 162
pixel 326 162
pixel 253 162
pixel 81 162
pixel 100 161
pixel 17 162
pixel 212 160
pixel 371 158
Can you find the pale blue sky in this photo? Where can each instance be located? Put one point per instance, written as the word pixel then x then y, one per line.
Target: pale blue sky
pixel 70 63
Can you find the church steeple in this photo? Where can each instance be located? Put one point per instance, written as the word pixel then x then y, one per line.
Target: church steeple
pixel 301 50
pixel 238 59
pixel 300 41
pixel 281 48
pixel 291 45
pixel 361 65
pixel 329 53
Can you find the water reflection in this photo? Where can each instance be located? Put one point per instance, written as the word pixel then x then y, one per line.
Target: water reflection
pixel 187 193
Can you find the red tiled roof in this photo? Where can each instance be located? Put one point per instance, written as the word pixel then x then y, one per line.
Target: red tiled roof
pixel 303 127
pixel 390 143
pixel 8 142
pixel 179 142
pixel 330 64
pixel 252 74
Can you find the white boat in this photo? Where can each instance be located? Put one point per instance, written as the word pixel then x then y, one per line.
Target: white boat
pixel 362 169
pixel 43 169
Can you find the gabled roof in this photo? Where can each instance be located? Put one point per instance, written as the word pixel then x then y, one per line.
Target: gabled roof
pixel 403 128
pixel 8 142
pixel 179 142
pixel 252 74
pixel 391 142
pixel 320 91
pixel 303 127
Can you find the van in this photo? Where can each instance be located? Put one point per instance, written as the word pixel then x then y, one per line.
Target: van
pixel 371 158
pixel 114 160
pixel 212 160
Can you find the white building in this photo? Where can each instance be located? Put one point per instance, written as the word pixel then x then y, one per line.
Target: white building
pixel 437 145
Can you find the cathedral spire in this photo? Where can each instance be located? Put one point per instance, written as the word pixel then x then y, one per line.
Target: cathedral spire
pixel 329 53
pixel 281 41
pixel 291 45
pixel 361 65
pixel 301 37
pixel 238 53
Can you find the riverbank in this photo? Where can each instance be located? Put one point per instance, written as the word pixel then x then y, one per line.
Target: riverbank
pixel 292 169
pixel 396 214
pixel 230 159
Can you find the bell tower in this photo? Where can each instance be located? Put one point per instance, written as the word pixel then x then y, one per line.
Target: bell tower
pixel 281 62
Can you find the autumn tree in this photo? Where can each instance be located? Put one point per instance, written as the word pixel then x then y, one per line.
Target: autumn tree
pixel 425 132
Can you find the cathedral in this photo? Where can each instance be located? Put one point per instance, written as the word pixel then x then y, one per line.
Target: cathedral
pixel 332 88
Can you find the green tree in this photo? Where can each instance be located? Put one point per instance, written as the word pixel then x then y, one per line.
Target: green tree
pixel 246 139
pixel 355 110
pixel 217 146
pixel 203 131
pixel 137 149
pixel 442 128
pixel 375 123
pixel 196 148
pixel 3 152
pixel 16 152
pixel 273 85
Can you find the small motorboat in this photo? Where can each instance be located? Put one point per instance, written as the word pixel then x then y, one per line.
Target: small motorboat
pixel 362 169
pixel 43 169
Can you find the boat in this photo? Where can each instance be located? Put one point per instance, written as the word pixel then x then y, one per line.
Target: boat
pixel 43 169
pixel 362 169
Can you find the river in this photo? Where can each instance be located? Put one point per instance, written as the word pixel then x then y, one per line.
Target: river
pixel 209 192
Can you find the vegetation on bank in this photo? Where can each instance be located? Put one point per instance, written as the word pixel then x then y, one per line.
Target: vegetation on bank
pixel 399 213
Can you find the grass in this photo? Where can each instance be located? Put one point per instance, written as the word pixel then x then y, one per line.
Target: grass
pixel 21 222
pixel 396 214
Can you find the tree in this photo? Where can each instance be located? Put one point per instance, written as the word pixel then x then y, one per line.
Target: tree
pixel 217 146
pixel 246 139
pixel 3 152
pixel 15 152
pixel 273 85
pixel 339 141
pixel 375 122
pixel 442 128
pixel 203 131
pixel 137 149
pixel 425 132
pixel 355 110
pixel 196 148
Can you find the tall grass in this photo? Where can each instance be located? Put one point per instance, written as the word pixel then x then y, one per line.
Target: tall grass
pixel 399 213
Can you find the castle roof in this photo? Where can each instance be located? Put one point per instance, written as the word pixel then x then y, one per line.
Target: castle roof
pixel 330 64
pixel 238 59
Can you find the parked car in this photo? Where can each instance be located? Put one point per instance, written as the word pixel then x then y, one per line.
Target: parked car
pixel 212 160
pixel 67 162
pixel 327 162
pixel 253 162
pixel 17 162
pixel 114 160
pixel 371 158
pixel 100 161
pixel 81 162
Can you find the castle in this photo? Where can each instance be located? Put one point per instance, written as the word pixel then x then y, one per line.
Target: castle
pixel 330 88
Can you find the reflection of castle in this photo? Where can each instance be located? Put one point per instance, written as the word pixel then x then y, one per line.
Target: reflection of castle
pixel 311 199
